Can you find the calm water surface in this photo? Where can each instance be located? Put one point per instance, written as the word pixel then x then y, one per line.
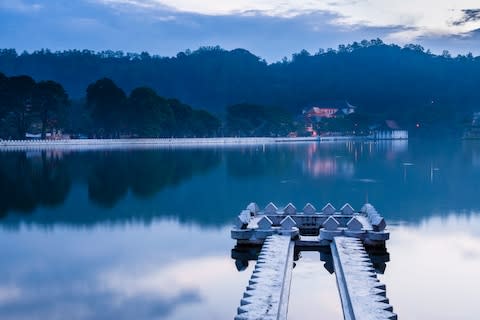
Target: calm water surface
pixel 145 234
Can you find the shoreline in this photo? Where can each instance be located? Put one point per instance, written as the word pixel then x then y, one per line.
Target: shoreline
pixel 169 142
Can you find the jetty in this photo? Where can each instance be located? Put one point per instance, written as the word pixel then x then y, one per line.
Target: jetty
pixel 351 243
pixel 266 296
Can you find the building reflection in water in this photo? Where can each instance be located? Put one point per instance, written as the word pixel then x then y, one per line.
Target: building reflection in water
pixel 124 186
pixel 162 248
pixel 340 159
pixel 318 163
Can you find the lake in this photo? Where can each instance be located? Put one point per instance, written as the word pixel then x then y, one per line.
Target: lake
pixel 145 234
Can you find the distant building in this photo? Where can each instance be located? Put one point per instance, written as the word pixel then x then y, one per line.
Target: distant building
pixel 389 130
pixel 328 109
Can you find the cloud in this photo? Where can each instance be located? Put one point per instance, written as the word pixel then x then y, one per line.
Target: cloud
pixel 128 27
pixel 286 8
pixel 86 301
pixel 456 44
pixel 469 15
pixel 417 17
pixel 129 4
pixel 19 6
pixel 116 273
pixel 268 28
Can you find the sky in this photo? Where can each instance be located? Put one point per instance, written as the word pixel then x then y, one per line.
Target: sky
pixel 270 29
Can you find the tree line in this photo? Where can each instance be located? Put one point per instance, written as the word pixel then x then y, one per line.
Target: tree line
pixel 384 79
pixel 28 182
pixel 23 100
pixel 30 106
pixel 107 111
pixel 144 113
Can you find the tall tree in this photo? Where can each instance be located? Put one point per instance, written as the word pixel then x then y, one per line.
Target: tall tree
pixel 19 102
pixel 204 124
pixel 183 114
pixel 107 103
pixel 3 94
pixel 151 114
pixel 49 98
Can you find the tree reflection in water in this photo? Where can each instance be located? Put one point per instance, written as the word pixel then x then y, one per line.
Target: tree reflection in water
pixel 119 186
pixel 32 179
pixel 28 181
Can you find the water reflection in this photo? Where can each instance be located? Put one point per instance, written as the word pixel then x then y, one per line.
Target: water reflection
pixel 27 181
pixel 36 181
pixel 124 273
pixel 144 173
pixel 313 292
pixel 404 181
pixel 433 270
pixel 145 234
pixel 244 163
pixel 319 163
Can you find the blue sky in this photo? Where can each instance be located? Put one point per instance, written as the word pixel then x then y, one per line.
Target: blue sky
pixel 268 28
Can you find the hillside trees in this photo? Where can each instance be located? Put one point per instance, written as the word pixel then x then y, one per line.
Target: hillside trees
pixel 108 105
pixel 256 120
pixel 203 123
pixel 3 94
pixel 151 115
pixel 18 101
pixel 189 122
pixel 144 113
pixel 386 80
pixel 24 102
pixel 106 111
pixel 49 100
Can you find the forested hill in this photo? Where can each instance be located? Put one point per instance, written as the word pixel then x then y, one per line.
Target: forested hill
pixel 379 78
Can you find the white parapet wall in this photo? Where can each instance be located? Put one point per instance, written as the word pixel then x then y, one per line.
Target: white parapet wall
pixel 139 143
pixel 88 144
